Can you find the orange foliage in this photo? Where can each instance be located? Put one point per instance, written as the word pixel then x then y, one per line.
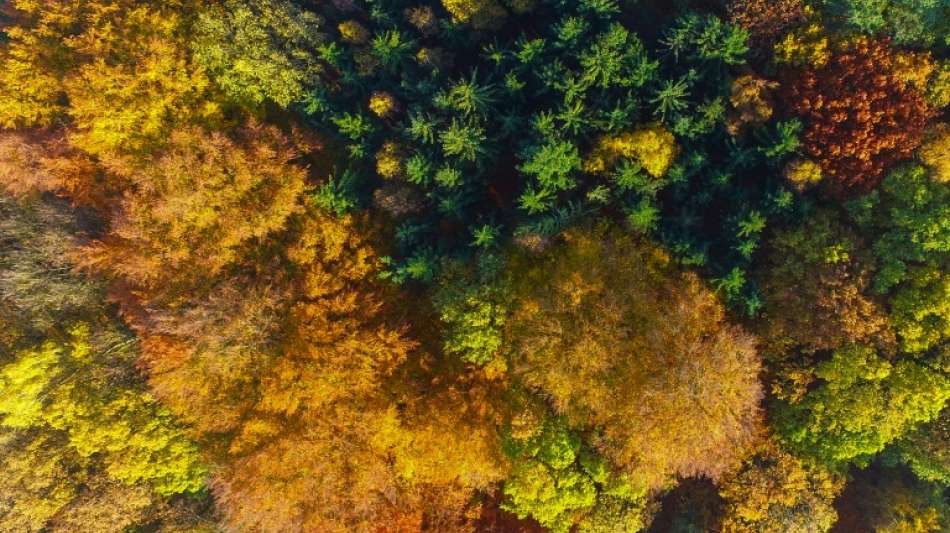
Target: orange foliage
pixel 40 162
pixel 191 210
pixel 859 117
pixel 619 339
pixel 766 20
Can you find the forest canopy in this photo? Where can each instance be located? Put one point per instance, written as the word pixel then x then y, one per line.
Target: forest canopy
pixel 373 266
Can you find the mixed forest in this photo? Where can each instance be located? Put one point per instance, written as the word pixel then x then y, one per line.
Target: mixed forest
pixel 395 266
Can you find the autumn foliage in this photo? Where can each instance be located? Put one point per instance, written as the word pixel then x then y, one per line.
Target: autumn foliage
pixel 455 266
pixel 617 338
pixel 861 118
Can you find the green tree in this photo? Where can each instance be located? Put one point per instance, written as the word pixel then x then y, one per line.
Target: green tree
pixel 816 281
pixel 926 450
pixel 911 221
pixel 909 22
pixel 862 403
pixel 473 308
pixel 560 483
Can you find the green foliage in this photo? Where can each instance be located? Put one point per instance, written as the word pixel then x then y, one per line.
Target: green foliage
pixel 559 482
pixel 920 309
pixel 473 308
pixel 910 217
pixel 926 450
pixel 909 22
pixel 336 194
pixel 706 39
pixel 862 403
pixel 465 142
pixel 553 165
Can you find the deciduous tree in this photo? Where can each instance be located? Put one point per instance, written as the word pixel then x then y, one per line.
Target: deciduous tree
pixel 775 491
pixel 862 403
pixel 619 339
pixel 859 118
pixel 193 209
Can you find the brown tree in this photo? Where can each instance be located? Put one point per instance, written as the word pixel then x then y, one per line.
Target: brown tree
pixel 859 117
pixel 766 20
pixel 816 281
pixel 41 161
pixel 621 340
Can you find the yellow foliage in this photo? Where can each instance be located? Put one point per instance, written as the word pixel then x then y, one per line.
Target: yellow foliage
pixel 652 146
pixel 807 46
pixel 382 104
pixel 616 337
pixel 938 93
pixel 775 491
pixel 802 173
pixel 28 95
pixel 353 32
pixel 750 102
pixel 132 102
pixel 935 152
pixel 34 61
pixel 914 68
pixel 481 14
pixel 197 204
pixel 389 160
pixel 122 66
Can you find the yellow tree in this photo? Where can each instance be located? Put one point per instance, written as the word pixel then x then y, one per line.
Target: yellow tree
pixel 623 342
pixel 775 491
pixel 119 70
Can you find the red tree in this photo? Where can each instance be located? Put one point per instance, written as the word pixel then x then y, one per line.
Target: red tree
pixel 859 118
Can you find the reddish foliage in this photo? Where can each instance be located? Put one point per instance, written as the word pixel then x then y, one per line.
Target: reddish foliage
pixel 859 118
pixel 766 20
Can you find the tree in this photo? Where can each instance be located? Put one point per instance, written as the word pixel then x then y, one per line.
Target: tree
pixel 481 14
pixel 862 403
pixel 34 162
pixel 860 119
pixel 920 309
pixel 195 207
pixel 889 501
pixel 301 376
pixel 652 147
pixel 909 218
pixel 34 64
pixel 82 445
pixel 619 339
pixel 775 491
pixel 258 51
pixel 750 101
pixel 934 152
pixel 909 22
pixel 766 21
pixel 473 308
pixel 118 70
pixel 926 450
pixel 816 282
pixel 37 290
pixel 53 386
pixel 560 484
